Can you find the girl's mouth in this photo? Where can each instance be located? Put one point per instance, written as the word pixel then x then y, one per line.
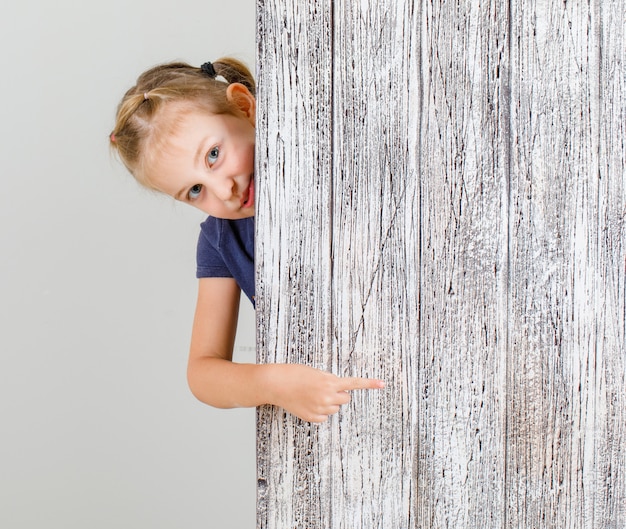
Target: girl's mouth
pixel 247 200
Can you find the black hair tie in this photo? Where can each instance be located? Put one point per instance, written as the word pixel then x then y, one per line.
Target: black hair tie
pixel 208 69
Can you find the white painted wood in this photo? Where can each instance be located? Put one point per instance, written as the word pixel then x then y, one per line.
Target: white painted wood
pixel 564 367
pixel 442 204
pixel 463 330
pixel 375 223
pixel 609 486
pixel 293 292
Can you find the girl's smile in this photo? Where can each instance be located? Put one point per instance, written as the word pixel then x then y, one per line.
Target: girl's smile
pixel 248 202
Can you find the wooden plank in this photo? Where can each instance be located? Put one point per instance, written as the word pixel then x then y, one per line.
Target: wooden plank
pixel 376 259
pixel 556 365
pixel 293 248
pixel 463 330
pixel 609 499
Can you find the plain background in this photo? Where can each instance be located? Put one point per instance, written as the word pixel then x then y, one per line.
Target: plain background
pixel 97 283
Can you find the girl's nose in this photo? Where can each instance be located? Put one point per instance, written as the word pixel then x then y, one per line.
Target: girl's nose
pixel 225 189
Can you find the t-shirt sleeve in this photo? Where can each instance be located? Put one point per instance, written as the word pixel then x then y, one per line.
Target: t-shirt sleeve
pixel 209 261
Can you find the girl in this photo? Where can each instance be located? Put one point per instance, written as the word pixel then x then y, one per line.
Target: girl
pixel 190 133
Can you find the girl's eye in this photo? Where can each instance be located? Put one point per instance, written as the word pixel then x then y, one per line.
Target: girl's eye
pixel 211 157
pixel 194 192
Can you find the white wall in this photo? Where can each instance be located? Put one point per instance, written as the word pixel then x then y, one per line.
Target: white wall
pixel 97 283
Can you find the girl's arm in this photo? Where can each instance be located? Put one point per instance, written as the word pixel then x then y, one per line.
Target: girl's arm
pixel 214 379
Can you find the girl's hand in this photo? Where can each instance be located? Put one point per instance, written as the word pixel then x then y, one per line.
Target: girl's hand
pixel 311 394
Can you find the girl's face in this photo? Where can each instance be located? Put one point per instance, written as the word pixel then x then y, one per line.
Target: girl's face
pixel 208 162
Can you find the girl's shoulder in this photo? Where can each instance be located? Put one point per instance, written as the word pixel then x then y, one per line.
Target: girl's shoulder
pixel 221 232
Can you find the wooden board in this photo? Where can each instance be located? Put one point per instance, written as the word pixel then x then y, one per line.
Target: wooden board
pixel 441 204
pixel 293 293
pixel 559 387
pixel 463 287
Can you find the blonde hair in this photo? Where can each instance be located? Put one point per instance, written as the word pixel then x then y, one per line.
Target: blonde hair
pixel 138 125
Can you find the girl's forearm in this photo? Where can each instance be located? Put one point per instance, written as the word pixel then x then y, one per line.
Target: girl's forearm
pixel 306 392
pixel 225 384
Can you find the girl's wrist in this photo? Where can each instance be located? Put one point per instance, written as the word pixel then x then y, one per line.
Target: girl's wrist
pixel 269 380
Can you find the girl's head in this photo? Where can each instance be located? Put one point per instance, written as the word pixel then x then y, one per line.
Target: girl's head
pixel 189 132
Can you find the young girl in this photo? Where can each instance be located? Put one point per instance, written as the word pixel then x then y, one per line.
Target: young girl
pixel 190 133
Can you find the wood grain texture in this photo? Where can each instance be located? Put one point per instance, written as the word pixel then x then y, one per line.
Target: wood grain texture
pixel 557 365
pixel 464 169
pixel 375 223
pixel 609 498
pixel 293 294
pixel 442 204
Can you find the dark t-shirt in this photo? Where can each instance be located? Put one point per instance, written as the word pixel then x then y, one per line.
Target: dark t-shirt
pixel 226 249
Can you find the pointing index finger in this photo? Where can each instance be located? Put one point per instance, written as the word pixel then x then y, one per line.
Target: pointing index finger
pixel 350 383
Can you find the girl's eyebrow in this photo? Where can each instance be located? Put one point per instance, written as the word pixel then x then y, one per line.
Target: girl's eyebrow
pixel 178 196
pixel 200 152
pixel 197 160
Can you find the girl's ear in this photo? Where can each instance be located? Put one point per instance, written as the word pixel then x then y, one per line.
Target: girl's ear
pixel 239 96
